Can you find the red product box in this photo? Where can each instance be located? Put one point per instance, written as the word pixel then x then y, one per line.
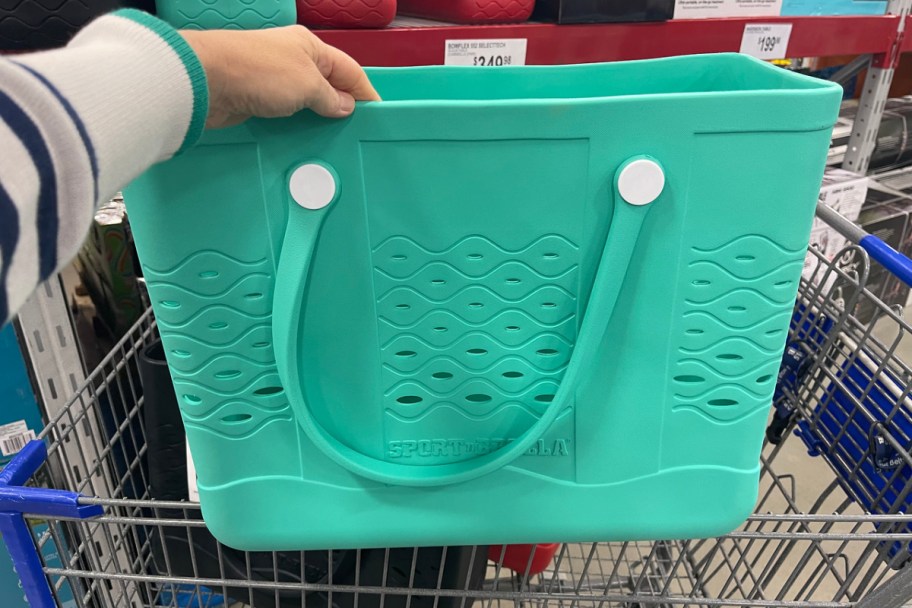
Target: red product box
pixel 346 13
pixel 469 11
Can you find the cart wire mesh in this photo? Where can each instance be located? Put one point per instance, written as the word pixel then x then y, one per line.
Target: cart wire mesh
pixel 829 529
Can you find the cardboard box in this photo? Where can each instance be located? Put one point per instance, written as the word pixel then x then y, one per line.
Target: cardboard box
pixel 20 416
pixel 889 222
pixel 20 422
pixel 893 145
pixel 791 8
pixel 887 214
pixel 899 181
pixel 844 192
pixel 709 9
pixel 602 11
pixel 11 593
pixel 712 9
pixel 107 268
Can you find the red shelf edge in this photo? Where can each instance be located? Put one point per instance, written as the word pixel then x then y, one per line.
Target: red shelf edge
pixel 554 44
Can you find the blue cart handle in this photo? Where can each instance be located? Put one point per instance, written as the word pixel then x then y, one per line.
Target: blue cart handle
pixel 892 260
pixel 16 499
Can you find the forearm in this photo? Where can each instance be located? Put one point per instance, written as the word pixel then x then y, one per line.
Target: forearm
pixel 77 124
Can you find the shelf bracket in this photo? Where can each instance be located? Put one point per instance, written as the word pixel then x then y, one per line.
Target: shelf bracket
pixel 874 95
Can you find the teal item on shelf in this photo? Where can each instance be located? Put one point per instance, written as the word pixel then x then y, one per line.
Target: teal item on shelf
pixel 11 593
pixel 20 414
pixel 796 8
pixel 230 14
pixel 501 306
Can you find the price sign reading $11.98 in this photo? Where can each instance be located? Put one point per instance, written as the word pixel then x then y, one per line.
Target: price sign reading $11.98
pixel 766 40
pixel 493 52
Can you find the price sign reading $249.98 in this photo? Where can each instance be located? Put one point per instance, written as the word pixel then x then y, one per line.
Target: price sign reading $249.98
pixel 493 52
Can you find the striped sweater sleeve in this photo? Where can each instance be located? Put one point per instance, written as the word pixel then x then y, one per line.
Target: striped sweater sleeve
pixel 76 125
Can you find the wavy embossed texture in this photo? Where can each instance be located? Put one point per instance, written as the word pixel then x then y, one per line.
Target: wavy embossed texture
pixel 470 11
pixel 475 329
pixel 738 300
pixel 227 14
pixel 346 13
pixel 217 330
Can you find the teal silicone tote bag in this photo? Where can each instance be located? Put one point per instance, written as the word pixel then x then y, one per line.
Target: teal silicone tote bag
pixel 501 306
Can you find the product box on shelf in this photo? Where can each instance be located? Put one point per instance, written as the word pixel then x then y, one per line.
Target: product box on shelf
pixel 793 8
pixel 885 214
pixel 11 593
pixel 603 11
pixel 889 222
pixel 20 422
pixel 107 268
pixel 893 146
pixel 896 181
pixel 710 9
pixel 468 11
pixel 842 131
pixel 20 417
pixel 844 192
pixel 899 180
pixel 340 13
pixel 704 9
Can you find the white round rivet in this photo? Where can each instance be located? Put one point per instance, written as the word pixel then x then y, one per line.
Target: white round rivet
pixel 641 181
pixel 312 186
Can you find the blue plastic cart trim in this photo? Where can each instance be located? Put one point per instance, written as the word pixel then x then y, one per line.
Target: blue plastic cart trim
pixel 17 499
pixel 891 259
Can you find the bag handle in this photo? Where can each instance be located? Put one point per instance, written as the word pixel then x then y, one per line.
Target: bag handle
pixel 638 182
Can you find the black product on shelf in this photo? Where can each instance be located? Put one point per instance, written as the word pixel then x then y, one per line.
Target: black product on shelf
pixel 603 11
pixel 893 145
pixel 894 138
pixel 44 24
pixel 194 552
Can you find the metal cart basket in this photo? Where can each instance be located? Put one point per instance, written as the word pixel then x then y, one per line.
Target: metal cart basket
pixel 829 528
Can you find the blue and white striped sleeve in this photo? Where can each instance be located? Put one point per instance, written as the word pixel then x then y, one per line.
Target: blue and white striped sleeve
pixel 76 125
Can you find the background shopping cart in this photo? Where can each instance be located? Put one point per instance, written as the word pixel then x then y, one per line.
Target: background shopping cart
pixel 828 530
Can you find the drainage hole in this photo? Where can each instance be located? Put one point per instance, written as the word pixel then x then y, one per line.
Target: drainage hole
pixel 478 398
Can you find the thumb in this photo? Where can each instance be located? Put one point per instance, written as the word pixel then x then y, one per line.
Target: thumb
pixel 330 102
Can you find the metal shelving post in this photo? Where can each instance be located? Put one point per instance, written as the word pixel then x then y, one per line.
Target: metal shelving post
pixel 874 96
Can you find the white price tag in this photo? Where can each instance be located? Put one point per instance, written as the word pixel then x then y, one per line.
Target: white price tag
pixel 14 436
pixel 494 52
pixel 766 40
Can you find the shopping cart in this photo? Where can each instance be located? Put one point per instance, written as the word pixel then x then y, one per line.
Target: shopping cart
pixel 829 529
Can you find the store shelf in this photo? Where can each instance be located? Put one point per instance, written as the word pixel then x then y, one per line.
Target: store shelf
pixel 553 44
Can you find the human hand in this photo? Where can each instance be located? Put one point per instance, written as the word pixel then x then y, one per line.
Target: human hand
pixel 276 72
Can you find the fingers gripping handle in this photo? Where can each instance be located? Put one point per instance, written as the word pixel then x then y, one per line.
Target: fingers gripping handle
pixel 314 186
